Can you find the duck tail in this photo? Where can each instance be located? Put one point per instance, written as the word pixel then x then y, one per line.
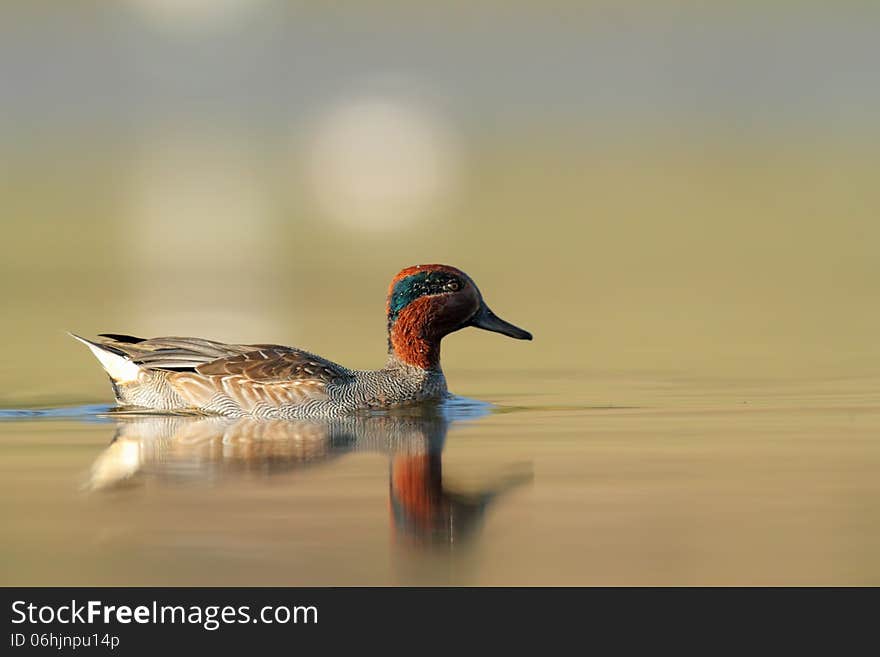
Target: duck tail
pixel 119 366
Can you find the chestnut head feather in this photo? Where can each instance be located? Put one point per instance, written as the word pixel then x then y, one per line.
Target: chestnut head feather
pixel 426 303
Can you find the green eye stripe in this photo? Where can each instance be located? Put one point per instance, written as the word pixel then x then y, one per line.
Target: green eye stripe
pixel 418 285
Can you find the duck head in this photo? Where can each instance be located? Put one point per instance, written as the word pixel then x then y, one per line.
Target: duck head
pixel 428 302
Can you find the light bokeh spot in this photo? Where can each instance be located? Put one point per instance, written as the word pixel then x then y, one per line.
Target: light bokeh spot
pixel 378 164
pixel 194 15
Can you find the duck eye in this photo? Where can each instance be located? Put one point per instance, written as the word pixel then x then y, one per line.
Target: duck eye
pixel 453 286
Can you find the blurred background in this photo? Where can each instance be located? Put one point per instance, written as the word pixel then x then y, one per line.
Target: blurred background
pixel 655 186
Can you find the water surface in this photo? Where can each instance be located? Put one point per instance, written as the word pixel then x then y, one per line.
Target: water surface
pixel 692 481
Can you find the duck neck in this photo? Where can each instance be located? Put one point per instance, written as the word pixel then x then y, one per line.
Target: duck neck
pixel 411 343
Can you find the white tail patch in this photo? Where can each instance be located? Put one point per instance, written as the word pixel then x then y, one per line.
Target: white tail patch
pixel 120 368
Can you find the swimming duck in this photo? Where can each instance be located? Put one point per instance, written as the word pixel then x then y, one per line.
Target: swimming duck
pixel 425 303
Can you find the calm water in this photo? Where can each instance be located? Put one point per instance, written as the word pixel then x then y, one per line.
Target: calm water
pixel 657 480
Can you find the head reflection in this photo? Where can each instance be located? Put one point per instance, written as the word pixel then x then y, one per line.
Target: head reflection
pixel 425 513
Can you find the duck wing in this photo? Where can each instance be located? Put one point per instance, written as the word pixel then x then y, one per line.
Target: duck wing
pixel 170 353
pixel 229 378
pixel 273 364
pixel 259 381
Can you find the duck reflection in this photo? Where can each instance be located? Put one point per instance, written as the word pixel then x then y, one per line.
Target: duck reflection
pixel 424 511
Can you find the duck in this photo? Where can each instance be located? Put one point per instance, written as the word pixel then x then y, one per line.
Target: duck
pixel 425 303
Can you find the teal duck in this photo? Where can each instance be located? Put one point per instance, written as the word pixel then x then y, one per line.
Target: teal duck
pixel 425 303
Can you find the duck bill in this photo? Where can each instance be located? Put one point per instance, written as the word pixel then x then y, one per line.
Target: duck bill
pixel 489 321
